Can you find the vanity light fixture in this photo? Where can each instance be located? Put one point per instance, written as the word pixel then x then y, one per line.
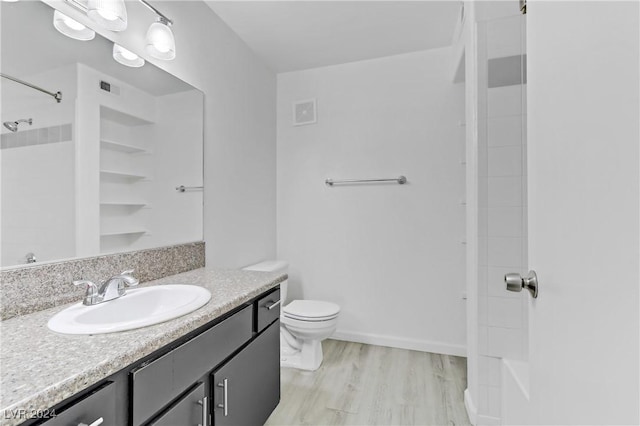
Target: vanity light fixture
pixel 126 57
pixel 71 27
pixel 160 41
pixel 111 14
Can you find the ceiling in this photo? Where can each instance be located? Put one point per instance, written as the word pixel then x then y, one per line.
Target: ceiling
pixel 295 35
pixel 30 45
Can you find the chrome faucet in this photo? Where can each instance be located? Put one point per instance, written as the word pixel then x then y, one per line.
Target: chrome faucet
pixel 110 289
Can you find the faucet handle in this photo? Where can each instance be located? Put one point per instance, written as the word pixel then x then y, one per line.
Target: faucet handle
pixel 129 279
pixel 91 287
pixel 92 291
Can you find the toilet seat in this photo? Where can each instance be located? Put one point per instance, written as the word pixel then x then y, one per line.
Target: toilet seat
pixel 309 319
pixel 311 310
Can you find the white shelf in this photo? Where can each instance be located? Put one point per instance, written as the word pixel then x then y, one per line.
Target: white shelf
pixel 122 147
pixel 124 204
pixel 121 117
pixel 123 232
pixel 121 175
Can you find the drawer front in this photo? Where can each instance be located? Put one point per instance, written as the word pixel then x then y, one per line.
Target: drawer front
pixel 100 403
pixel 156 384
pixel 268 310
pixel 200 355
pixel 190 410
pixel 152 388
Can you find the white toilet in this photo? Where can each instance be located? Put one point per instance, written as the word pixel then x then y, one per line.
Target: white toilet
pixel 304 324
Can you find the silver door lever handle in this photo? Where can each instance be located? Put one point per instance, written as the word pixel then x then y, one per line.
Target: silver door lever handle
pixel 515 282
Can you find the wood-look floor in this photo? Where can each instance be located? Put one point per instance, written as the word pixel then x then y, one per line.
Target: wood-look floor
pixel 361 384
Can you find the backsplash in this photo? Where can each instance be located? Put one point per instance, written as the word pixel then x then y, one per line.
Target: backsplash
pixel 36 287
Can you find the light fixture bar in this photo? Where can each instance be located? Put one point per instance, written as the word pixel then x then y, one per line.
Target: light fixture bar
pixel 79 5
pixel 157 12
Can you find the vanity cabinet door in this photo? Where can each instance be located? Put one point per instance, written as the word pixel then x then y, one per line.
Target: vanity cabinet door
pixel 155 384
pixel 190 410
pixel 88 410
pixel 246 389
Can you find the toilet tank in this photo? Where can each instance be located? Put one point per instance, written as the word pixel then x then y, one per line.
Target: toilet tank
pixel 274 266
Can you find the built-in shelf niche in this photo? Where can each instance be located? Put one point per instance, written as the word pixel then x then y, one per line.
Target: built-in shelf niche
pixel 124 177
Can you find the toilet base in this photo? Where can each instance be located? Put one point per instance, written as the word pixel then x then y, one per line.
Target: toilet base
pixel 308 357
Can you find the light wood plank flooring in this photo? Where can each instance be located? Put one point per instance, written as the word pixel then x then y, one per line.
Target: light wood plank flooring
pixel 361 384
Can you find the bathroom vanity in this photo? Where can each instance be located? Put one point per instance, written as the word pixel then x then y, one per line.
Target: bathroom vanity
pixel 216 366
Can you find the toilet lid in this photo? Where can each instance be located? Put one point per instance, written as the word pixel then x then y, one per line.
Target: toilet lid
pixel 311 309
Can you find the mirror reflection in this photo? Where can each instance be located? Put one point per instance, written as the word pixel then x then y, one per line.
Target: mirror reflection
pixel 98 171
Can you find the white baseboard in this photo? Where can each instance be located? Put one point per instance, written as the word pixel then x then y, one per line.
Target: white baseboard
pixel 472 412
pixel 401 342
pixel 489 421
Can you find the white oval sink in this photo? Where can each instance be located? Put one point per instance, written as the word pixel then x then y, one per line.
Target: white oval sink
pixel 137 308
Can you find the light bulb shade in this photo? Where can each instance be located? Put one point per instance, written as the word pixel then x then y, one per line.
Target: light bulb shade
pixel 126 57
pixel 71 27
pixel 111 14
pixel 160 41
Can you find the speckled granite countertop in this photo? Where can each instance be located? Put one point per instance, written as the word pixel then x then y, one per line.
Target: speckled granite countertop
pixel 40 368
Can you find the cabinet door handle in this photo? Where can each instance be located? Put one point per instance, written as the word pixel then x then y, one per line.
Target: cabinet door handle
pixel 97 422
pixel 272 305
pixel 205 411
pixel 225 394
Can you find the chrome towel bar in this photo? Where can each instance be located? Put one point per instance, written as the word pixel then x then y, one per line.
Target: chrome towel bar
pixel 400 180
pixel 183 188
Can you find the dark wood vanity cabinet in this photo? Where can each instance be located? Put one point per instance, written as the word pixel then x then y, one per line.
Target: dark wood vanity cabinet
pixel 243 388
pixel 184 383
pixel 156 382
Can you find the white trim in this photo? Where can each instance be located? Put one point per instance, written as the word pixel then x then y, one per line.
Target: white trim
pixel 489 420
pixel 401 342
pixel 472 412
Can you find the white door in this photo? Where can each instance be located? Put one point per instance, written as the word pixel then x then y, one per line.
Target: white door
pixel 583 162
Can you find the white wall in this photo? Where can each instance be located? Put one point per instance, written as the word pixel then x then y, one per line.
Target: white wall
pixel 239 151
pixel 43 222
pixel 37 171
pixel 177 216
pixel 391 256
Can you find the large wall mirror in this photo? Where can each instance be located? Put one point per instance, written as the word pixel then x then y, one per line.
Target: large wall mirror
pixel 96 173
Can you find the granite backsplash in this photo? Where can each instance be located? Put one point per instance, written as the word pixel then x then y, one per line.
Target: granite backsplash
pixel 32 288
